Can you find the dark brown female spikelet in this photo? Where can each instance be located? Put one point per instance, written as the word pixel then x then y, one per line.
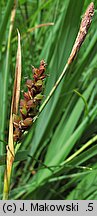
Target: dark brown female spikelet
pixel 85 24
pixel 29 105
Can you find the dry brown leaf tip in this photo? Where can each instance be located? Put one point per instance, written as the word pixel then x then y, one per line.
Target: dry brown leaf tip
pixel 84 26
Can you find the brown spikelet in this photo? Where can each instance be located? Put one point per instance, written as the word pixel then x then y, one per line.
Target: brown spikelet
pixel 30 103
pixel 85 24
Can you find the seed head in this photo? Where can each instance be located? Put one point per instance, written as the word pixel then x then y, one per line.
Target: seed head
pixel 84 26
pixel 29 105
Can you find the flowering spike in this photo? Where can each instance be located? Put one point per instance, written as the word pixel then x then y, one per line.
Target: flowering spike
pixel 85 24
pixel 29 105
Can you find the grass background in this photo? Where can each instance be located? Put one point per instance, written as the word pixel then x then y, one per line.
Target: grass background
pixel 57 159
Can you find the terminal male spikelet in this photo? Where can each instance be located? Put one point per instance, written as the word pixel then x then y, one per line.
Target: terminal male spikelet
pixel 29 105
pixel 84 26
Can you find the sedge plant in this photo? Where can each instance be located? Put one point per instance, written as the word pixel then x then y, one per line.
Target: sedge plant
pixel 45 156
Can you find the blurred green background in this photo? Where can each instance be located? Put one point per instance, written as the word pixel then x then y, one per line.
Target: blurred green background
pixel 57 159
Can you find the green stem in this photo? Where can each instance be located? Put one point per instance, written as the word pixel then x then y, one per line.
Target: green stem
pixel 6 181
pixel 5 20
pixel 53 89
pixel 5 84
pixel 81 149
